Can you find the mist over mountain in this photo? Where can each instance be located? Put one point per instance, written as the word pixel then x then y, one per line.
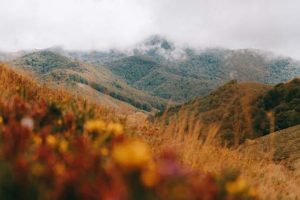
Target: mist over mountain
pixel 171 71
pixel 160 67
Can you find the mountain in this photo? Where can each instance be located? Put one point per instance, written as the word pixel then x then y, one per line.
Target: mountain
pixel 159 70
pixel 170 71
pixel 44 62
pixel 80 77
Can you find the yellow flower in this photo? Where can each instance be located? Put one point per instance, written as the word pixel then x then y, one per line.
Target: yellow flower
pixel 94 126
pixel 37 169
pixel 131 154
pixel 104 151
pixel 63 146
pixel 96 144
pixel 252 192
pixel 59 169
pixel 51 140
pixel 37 140
pixel 115 128
pixel 149 176
pixel 236 187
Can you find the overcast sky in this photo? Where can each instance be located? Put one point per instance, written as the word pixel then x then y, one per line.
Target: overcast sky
pixel 99 24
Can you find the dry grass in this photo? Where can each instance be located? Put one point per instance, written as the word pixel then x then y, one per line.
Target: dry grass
pixel 15 82
pixel 272 180
pixel 52 146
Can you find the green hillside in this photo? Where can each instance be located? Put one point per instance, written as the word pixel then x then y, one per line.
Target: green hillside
pixel 133 68
pixel 159 79
pixel 284 102
pixel 46 61
pixel 52 68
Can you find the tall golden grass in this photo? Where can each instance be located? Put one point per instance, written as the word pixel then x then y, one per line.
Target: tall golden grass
pixel 54 145
pixel 273 180
pixel 14 82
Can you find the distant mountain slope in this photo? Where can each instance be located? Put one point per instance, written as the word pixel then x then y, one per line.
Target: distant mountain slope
pixel 160 79
pixel 231 109
pixel 43 62
pixel 133 68
pixel 53 68
pixel 167 70
pixel 159 67
pixel 255 65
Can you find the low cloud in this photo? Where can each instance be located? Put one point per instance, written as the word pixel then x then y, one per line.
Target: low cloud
pixel 100 24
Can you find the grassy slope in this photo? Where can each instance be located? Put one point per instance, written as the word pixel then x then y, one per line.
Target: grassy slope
pixel 12 83
pixel 284 146
pixel 272 180
pixel 51 67
pixel 230 108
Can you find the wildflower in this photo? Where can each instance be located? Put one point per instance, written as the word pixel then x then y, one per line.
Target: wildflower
pixel 51 140
pixel 104 151
pixel 150 177
pixel 37 140
pixel 37 169
pixel 131 154
pixel 237 186
pixel 63 146
pixel 252 192
pixel 59 169
pixel 28 123
pixel 115 128
pixel 97 143
pixel 94 126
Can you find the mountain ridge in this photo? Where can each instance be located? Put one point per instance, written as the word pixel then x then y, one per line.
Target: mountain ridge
pixel 147 68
